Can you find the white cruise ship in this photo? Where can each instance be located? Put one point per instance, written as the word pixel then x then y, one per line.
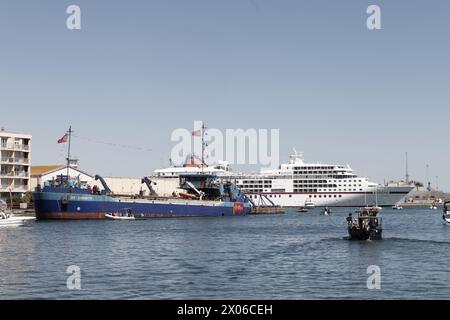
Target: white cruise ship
pixel 297 183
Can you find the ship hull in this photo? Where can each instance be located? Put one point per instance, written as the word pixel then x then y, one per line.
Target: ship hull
pixel 384 197
pixel 359 234
pixel 63 206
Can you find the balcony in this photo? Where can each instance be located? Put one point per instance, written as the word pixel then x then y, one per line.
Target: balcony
pixel 17 147
pixel 15 174
pixel 21 174
pixel 20 189
pixel 21 147
pixel 15 160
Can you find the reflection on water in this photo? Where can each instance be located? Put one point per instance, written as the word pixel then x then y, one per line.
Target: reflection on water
pixel 293 256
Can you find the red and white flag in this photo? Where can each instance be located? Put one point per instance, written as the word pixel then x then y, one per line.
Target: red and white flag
pixel 197 133
pixel 64 139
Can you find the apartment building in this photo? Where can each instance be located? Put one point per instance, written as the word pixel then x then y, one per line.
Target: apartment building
pixel 15 162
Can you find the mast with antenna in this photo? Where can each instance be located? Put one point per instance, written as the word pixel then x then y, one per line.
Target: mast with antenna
pixel 203 145
pixel 407 169
pixel 68 150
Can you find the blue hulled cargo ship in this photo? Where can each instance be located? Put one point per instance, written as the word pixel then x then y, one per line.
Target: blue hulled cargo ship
pixel 204 195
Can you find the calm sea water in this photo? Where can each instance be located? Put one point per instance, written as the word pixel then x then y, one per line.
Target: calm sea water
pixel 294 256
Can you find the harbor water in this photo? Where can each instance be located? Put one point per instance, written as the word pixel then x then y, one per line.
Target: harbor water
pixel 291 256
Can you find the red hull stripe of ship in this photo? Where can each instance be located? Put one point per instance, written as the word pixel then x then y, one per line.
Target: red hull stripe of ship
pixel 71 216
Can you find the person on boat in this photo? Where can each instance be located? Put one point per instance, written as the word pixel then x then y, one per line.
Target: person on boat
pixel 350 222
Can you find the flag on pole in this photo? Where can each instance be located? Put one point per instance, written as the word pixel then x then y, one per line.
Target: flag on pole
pixel 64 139
pixel 197 133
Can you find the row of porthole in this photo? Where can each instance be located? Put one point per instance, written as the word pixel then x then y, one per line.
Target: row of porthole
pixel 290 196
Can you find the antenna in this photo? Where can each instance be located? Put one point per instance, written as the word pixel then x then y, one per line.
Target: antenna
pixel 407 169
pixel 203 145
pixel 68 150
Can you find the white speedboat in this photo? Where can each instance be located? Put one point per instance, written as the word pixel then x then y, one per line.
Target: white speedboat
pixel 446 215
pixel 397 207
pixel 309 204
pixel 10 220
pixel 118 216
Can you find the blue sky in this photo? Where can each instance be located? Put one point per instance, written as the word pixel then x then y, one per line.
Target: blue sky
pixel 140 69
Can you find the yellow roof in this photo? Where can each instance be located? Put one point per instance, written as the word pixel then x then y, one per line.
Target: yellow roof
pixel 40 170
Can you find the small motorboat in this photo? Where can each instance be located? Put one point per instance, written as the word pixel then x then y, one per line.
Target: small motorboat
pixel 309 204
pixel 303 210
pixel 446 218
pixel 446 215
pixel 11 220
pixel 127 215
pixel 113 216
pixel 326 211
pixel 397 207
pixel 367 226
pixel 433 207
